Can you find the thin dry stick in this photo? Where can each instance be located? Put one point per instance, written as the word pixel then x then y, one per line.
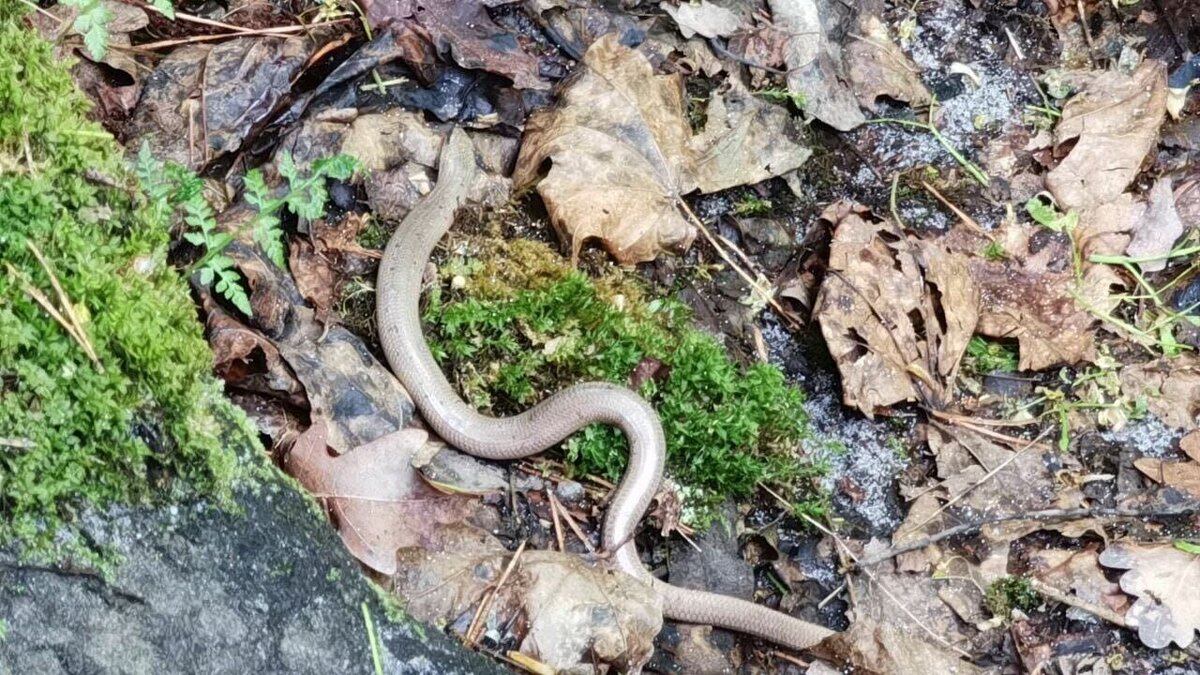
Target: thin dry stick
pixel 587 543
pixel 1075 601
pixel 1049 515
pixel 988 476
pixel 486 605
pixel 842 545
pixel 994 435
pixel 767 294
pixel 65 302
pixel 558 533
pixel 962 215
pixel 791 659
pixel 64 321
pixel 955 418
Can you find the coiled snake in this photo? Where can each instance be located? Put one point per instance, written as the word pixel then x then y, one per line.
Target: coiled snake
pixel 548 423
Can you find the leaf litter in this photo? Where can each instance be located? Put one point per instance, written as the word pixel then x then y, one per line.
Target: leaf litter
pixel 1066 256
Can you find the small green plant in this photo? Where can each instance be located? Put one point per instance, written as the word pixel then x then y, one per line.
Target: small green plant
pixel 752 205
pixel 985 356
pixel 994 252
pixel 778 95
pixel 170 187
pixel 1009 593
pixel 972 169
pixel 92 22
pixel 727 428
pixel 1191 548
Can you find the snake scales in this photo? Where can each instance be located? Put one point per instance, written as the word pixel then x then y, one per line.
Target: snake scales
pixel 548 423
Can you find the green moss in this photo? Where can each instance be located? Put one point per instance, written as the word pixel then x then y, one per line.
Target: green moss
pixel 144 419
pixel 515 323
pixel 1009 593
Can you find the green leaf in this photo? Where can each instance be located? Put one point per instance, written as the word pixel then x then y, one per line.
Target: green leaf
pixel 257 192
pixel 338 167
pixel 287 167
pixel 1044 210
pixel 230 287
pixel 1187 547
pixel 165 7
pixel 194 238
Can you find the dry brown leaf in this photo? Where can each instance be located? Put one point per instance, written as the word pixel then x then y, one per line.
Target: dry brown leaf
pixel 572 613
pixel 1166 582
pixel 1114 120
pixel 891 647
pixel 465 30
pixel 1033 296
pixel 745 140
pixel 616 155
pixel 814 61
pixel 703 18
pixel 1183 476
pixel 1159 227
pixel 376 499
pixel 617 145
pixel 1171 389
pixel 877 67
pixel 882 307
pixel 1078 572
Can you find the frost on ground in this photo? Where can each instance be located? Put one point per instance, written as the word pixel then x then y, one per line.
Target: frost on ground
pixel 1147 438
pixel 860 459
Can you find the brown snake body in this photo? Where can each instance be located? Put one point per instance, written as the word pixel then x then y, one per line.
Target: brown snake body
pixel 397 309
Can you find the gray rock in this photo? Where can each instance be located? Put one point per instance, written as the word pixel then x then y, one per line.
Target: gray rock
pixel 200 590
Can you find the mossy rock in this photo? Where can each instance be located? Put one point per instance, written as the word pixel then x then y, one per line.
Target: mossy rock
pixel 106 392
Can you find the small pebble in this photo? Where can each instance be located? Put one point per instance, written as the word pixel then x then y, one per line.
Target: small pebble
pixel 569 492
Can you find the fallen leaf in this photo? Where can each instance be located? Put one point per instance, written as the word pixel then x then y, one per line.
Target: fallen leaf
pixel 893 645
pixel 1114 122
pixel 1170 387
pixel 877 67
pixel 376 499
pixel 703 18
pixel 1035 297
pixel 745 140
pixel 1158 229
pixel 203 100
pixel 614 158
pixel 814 61
pixel 570 613
pixel 466 31
pixel 1166 582
pixel 1078 572
pixel 1183 476
pixel 896 312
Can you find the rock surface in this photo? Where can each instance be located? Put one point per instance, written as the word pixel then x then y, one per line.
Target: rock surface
pixel 268 590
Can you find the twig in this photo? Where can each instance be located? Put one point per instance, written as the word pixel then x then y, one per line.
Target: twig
pixel 722 50
pixel 955 418
pixel 767 295
pixel 485 605
pixel 1045 515
pixel 65 316
pixel 988 476
pixel 1087 31
pixel 17 443
pixel 967 423
pixel 842 545
pixel 558 533
pixel 799 663
pixel 1075 601
pixel 962 215
pixel 43 12
pixel 587 543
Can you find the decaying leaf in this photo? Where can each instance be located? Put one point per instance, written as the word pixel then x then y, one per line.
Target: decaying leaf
pixel 1078 571
pixel 377 500
pixel 879 648
pixel 877 67
pixel 203 100
pixel 1114 121
pixel 814 61
pixel 1035 296
pixel 1183 476
pixel 896 312
pixel 1155 232
pixel 465 30
pixel 617 153
pixel 703 18
pixel 1171 389
pixel 1166 582
pixel 566 612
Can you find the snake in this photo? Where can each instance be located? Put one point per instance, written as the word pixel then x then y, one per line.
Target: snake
pixel 548 423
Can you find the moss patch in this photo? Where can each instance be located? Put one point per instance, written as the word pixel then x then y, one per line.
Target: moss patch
pixel 148 421
pixel 512 323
